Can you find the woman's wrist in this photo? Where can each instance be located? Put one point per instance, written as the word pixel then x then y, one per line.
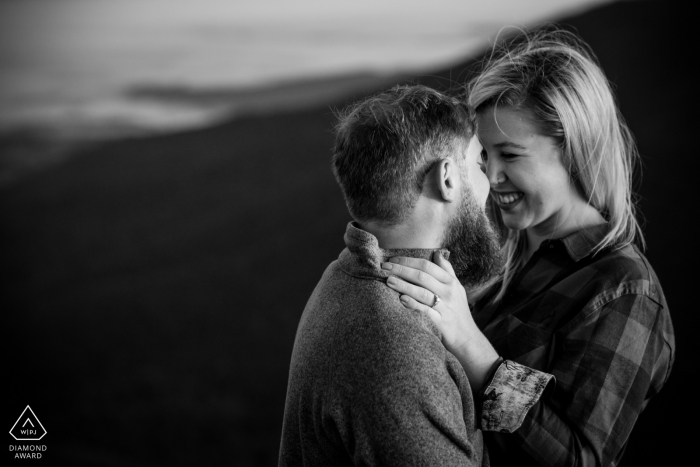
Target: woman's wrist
pixel 479 360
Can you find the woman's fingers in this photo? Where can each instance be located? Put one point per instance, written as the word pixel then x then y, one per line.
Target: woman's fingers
pixel 415 292
pixel 444 264
pixel 419 271
pixel 411 304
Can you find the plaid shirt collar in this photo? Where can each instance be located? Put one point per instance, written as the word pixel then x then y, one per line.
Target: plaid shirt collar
pixel 582 242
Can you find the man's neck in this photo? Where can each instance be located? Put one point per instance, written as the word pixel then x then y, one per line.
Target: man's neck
pixel 408 235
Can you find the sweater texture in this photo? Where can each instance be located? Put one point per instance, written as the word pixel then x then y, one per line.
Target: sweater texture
pixel 370 382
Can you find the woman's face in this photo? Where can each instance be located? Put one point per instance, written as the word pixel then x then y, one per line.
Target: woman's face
pixel 528 181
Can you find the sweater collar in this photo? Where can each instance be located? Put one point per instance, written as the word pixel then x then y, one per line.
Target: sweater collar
pixel 364 258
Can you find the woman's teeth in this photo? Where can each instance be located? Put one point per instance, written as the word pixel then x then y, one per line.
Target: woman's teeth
pixel 509 198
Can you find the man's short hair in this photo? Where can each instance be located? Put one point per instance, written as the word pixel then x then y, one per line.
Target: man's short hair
pixel 386 144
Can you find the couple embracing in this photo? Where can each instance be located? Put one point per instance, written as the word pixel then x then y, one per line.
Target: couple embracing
pixel 492 306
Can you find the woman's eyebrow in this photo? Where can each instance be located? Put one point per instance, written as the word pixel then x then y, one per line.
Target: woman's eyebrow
pixel 508 144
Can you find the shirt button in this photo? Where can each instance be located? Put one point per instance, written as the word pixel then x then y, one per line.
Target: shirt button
pixel 551 245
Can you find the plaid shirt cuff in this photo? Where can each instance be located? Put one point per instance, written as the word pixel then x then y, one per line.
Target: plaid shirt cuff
pixel 513 390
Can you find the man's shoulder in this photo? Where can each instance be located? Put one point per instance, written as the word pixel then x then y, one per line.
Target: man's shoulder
pixel 359 294
pixel 352 317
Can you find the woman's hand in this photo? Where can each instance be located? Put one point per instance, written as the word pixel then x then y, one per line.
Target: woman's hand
pixel 420 281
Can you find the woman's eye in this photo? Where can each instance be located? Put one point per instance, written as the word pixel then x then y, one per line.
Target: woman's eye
pixel 508 156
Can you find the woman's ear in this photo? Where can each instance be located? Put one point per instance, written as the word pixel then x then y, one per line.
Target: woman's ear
pixel 448 179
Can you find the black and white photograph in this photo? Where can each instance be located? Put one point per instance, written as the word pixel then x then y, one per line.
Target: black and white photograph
pixel 265 233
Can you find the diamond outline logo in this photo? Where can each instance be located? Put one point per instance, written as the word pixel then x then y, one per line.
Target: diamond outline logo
pixel 30 422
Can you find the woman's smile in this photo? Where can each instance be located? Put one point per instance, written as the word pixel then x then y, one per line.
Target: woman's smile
pixel 507 200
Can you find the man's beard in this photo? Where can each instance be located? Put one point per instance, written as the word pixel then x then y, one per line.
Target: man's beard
pixel 475 252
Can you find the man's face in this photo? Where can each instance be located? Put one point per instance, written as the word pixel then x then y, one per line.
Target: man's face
pixel 475 252
pixel 474 172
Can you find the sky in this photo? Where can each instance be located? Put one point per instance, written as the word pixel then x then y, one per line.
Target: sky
pixel 69 65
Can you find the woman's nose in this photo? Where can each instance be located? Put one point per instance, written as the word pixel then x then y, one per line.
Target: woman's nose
pixel 494 172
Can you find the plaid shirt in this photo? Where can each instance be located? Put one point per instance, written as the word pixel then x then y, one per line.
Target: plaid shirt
pixel 587 340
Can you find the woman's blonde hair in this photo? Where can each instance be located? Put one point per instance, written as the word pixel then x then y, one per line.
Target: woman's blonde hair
pixel 553 75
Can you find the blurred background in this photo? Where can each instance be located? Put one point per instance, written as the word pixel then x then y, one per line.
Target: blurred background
pixel 167 204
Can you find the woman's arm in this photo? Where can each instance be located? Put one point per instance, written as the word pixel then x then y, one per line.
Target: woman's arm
pixel 607 362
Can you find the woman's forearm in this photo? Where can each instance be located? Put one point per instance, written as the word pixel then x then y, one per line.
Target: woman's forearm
pixel 604 370
pixel 478 358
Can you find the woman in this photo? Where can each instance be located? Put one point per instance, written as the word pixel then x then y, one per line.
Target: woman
pixel 567 345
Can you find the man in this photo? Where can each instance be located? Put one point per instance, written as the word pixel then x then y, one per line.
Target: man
pixel 370 382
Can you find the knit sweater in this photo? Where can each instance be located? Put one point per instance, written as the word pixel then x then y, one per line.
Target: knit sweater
pixel 370 382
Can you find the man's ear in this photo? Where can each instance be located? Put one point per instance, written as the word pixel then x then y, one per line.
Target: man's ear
pixel 447 179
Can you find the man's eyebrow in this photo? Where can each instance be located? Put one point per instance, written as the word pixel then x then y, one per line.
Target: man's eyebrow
pixel 507 144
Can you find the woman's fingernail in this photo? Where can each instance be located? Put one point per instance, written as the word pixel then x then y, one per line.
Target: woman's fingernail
pixel 387 266
pixel 403 299
pixel 394 260
pixel 392 280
